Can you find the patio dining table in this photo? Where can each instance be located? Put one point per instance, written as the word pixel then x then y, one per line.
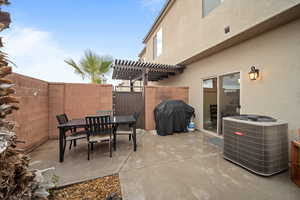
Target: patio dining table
pixel 80 123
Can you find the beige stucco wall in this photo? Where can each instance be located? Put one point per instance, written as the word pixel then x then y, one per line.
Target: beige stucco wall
pixel 186 32
pixel 276 93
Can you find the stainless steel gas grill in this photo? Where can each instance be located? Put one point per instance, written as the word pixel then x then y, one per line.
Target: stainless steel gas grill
pixel 258 143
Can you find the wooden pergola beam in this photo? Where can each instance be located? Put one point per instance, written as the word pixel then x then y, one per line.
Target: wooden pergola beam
pixel 137 70
pixel 138 77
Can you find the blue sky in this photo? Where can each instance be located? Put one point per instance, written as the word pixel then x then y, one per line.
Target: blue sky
pixel 44 33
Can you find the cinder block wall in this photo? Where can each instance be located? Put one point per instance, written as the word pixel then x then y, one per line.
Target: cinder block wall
pixel 56 106
pixel 41 101
pixel 155 95
pixel 77 101
pixel 32 118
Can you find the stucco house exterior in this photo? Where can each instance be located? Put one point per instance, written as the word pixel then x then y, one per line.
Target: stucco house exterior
pixel 218 42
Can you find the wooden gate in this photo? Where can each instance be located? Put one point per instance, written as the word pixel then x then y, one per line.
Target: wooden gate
pixel 126 103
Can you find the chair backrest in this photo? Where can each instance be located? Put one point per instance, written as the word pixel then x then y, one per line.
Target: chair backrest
pixel 136 115
pixel 98 125
pixel 62 119
pixel 213 108
pixel 213 111
pixel 104 112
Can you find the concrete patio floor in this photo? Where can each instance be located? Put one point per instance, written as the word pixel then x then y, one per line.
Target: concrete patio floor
pixel 181 166
pixel 76 166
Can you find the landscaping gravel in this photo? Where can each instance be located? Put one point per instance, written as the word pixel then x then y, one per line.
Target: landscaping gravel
pixel 96 189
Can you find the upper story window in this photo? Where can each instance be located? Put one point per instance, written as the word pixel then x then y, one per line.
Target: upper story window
pixel 209 5
pixel 157 44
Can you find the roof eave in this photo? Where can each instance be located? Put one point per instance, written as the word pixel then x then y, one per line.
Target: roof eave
pixel 160 16
pixel 142 52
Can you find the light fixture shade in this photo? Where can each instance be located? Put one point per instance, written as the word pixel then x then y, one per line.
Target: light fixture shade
pixel 254 73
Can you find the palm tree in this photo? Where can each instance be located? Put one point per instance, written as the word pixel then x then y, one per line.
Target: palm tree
pixel 91 66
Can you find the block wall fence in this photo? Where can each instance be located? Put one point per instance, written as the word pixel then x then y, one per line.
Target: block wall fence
pixel 32 117
pixel 41 101
pixel 77 101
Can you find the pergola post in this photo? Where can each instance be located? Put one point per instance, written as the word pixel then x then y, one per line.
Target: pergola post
pixel 145 77
pixel 131 85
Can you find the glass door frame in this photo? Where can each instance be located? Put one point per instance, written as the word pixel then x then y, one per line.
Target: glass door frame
pixel 203 104
pixel 218 100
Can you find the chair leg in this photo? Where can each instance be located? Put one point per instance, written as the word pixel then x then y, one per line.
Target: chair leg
pixel 88 151
pixel 70 147
pixel 65 144
pixel 92 146
pixel 110 148
pixel 129 137
pixel 115 141
pixel 75 143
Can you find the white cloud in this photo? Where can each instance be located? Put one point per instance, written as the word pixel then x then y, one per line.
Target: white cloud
pixel 153 5
pixel 37 54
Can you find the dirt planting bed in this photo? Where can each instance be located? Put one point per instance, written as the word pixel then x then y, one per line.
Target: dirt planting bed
pixel 97 189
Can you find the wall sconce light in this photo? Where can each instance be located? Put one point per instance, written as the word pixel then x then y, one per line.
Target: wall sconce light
pixel 254 73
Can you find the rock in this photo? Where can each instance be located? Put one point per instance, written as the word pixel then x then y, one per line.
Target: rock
pixel 113 196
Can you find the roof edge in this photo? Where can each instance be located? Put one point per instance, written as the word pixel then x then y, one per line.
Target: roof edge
pixel 142 51
pixel 160 16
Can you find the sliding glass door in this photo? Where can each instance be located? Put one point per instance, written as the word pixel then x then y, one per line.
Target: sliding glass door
pixel 221 98
pixel 229 96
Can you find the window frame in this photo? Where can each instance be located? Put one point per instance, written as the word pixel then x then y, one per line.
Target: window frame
pixel 203 8
pixel 157 43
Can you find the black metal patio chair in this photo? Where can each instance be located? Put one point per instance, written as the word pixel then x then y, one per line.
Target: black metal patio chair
pixel 99 129
pixel 130 132
pixel 74 134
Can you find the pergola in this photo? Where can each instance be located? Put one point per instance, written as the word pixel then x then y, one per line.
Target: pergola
pixel 143 71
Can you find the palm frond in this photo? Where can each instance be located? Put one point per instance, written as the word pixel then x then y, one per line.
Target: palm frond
pixel 106 63
pixel 76 68
pixel 105 67
pixel 92 65
pixel 89 62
